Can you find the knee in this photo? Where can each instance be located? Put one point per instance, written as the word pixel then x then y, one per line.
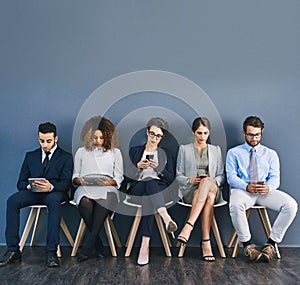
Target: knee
pixel 85 202
pixel 12 201
pixel 292 206
pixel 234 207
pixel 151 187
pixel 211 198
pixel 53 201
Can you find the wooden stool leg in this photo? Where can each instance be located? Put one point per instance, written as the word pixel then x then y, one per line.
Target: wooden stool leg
pixel 79 236
pixel 218 237
pixel 163 234
pixel 58 252
pixel 66 231
pixel 133 232
pixel 263 214
pixel 236 248
pixel 110 237
pixel 237 243
pixel 181 250
pixel 232 238
pixel 36 223
pixel 114 232
pixel 27 228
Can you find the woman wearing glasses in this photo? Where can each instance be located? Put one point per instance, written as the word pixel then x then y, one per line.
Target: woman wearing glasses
pixel 200 173
pixel 154 172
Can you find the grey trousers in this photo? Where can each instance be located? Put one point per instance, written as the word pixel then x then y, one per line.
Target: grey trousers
pixel 277 200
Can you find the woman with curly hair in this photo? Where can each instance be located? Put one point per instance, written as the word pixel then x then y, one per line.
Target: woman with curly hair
pixel 98 173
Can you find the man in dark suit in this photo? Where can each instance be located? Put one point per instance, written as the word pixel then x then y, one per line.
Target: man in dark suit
pixel 56 167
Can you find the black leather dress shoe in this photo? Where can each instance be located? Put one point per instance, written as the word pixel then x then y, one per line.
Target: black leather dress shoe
pixel 82 257
pixel 52 259
pixel 100 254
pixel 10 257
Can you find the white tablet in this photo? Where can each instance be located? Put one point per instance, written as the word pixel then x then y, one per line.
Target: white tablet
pixel 92 178
pixel 31 180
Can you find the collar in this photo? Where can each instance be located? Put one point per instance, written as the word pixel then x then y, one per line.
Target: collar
pixel 51 151
pixel 249 147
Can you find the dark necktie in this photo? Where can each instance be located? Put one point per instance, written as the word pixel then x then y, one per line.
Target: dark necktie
pixel 46 160
pixel 253 166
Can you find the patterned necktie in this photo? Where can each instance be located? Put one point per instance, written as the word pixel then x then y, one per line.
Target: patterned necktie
pixel 253 166
pixel 46 160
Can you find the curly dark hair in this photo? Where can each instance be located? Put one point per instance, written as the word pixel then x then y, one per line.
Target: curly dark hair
pixel 105 126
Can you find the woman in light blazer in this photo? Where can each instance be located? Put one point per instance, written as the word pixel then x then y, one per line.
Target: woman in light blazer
pixel 200 174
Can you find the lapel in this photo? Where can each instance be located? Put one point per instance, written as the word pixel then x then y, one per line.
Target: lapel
pixel 52 160
pixel 191 154
pixel 211 158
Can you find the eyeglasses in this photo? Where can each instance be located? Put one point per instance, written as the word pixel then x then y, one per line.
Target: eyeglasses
pixel 153 135
pixel 252 136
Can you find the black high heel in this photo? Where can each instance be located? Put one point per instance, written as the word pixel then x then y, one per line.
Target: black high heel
pixel 207 258
pixel 182 239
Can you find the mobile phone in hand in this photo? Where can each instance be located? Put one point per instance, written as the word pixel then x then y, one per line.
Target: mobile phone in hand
pixel 149 156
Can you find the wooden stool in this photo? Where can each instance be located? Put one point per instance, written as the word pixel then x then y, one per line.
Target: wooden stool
pixel 133 231
pixel 34 216
pixel 110 230
pixel 214 226
pixel 263 214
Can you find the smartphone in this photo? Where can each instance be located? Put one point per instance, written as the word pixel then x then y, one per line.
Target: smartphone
pixel 149 156
pixel 202 176
pixel 260 182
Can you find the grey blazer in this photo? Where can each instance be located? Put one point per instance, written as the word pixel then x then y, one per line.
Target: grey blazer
pixel 186 165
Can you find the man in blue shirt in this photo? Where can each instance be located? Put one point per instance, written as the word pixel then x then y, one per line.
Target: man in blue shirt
pixel 255 180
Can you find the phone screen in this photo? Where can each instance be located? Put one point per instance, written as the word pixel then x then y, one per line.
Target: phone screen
pixel 149 156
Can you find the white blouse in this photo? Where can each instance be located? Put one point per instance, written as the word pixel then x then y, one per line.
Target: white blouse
pixel 99 162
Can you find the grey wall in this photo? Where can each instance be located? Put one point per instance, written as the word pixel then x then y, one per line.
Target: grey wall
pixel 243 54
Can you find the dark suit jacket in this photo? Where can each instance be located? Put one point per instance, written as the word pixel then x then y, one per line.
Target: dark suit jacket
pixel 59 170
pixel 166 168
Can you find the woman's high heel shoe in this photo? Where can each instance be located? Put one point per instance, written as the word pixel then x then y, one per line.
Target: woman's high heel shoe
pixel 208 258
pixel 143 261
pixel 182 239
pixel 171 228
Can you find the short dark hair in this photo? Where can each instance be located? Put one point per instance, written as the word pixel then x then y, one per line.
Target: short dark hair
pixel 158 122
pixel 200 121
pixel 47 127
pixel 253 121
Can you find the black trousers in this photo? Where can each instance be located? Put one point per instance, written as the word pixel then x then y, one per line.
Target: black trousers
pixel 151 197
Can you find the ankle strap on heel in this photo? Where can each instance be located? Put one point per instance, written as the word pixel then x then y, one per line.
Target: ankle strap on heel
pixel 205 240
pixel 190 224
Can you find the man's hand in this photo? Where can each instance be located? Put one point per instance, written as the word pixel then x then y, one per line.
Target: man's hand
pixel 262 188
pixel 258 187
pixel 42 185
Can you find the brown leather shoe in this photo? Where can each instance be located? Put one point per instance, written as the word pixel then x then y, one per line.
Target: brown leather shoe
pixel 252 253
pixel 268 252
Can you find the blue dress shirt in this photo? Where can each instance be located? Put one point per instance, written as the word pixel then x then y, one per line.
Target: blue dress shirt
pixel 238 166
